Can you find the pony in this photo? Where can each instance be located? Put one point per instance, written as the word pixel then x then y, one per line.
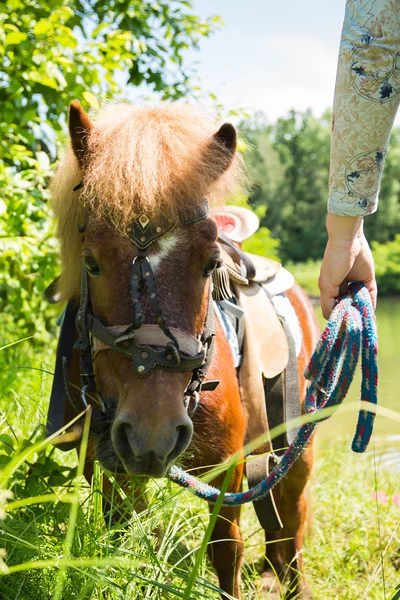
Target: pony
pixel 149 166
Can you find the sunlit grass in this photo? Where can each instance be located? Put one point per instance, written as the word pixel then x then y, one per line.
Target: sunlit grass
pixel 306 275
pixel 352 552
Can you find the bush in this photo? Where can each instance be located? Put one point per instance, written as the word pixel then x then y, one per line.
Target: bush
pixel 52 53
pixel 387 265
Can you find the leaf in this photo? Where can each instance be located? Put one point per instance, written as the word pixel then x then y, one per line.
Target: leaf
pixel 4 460
pixel 43 27
pixel 91 100
pixel 61 15
pixel 15 37
pixel 397 594
pixel 66 38
pixel 7 442
pixel 44 79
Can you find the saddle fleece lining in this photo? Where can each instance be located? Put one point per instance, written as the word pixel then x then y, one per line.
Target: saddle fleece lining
pixel 284 310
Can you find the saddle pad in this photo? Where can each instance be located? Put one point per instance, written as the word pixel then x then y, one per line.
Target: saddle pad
pixel 230 333
pixel 284 309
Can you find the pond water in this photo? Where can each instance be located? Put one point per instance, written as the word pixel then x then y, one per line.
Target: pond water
pixel 387 431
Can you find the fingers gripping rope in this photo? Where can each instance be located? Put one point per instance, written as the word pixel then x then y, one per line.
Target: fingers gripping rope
pixel 351 330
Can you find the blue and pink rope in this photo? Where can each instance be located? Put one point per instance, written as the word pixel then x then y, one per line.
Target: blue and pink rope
pixel 351 330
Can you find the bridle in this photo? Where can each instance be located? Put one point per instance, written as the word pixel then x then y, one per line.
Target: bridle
pixel 148 346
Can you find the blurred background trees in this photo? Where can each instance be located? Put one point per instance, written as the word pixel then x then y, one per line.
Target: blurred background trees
pixel 288 166
pixel 52 52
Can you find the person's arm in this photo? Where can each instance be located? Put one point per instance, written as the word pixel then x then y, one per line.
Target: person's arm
pixel 367 94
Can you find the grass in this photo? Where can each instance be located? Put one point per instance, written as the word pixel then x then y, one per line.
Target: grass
pixel 306 275
pixel 58 545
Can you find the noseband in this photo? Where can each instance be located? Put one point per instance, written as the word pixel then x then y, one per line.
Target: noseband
pixel 148 346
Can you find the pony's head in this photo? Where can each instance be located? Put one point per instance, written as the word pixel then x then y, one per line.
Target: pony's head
pixel 143 171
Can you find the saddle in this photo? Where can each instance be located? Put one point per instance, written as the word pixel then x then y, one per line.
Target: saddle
pixel 268 374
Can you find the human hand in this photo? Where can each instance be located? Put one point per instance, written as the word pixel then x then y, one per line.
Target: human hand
pixel 347 258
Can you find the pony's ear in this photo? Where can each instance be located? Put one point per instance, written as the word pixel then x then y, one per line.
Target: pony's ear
pixel 223 143
pixel 80 127
pixel 226 136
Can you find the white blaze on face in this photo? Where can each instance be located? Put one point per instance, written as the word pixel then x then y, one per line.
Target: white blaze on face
pixel 165 246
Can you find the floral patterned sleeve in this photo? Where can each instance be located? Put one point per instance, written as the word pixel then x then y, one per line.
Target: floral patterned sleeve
pixel 367 95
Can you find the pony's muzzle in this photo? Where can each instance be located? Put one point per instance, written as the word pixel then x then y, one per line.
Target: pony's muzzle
pixel 143 453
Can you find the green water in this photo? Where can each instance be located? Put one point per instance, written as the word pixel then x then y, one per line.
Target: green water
pixel 388 318
pixel 387 431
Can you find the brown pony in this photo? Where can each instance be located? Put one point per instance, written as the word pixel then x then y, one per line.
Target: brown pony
pixel 158 162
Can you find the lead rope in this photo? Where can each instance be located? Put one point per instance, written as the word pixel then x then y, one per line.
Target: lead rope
pixel 352 326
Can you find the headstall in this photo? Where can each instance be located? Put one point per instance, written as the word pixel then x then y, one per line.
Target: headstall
pixel 148 346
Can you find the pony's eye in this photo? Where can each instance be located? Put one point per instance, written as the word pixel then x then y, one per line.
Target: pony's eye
pixel 211 266
pixel 92 266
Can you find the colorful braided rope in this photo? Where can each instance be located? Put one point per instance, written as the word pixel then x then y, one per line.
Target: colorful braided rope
pixel 350 330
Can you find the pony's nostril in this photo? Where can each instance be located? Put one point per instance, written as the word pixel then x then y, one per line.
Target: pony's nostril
pixel 123 439
pixel 183 440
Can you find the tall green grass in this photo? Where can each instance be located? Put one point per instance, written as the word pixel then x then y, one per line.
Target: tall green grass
pixel 58 544
pixel 306 275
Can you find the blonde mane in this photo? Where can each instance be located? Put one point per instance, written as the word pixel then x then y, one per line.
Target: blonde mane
pixel 157 160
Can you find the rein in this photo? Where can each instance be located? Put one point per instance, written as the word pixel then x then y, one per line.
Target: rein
pixel 351 330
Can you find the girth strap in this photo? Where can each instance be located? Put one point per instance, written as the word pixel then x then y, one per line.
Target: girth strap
pixel 282 402
pixel 257 469
pixel 282 396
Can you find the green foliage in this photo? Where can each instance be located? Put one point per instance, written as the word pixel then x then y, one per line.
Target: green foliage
pixel 306 275
pixel 387 265
pixel 263 244
pixel 27 250
pixel 383 225
pixel 50 53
